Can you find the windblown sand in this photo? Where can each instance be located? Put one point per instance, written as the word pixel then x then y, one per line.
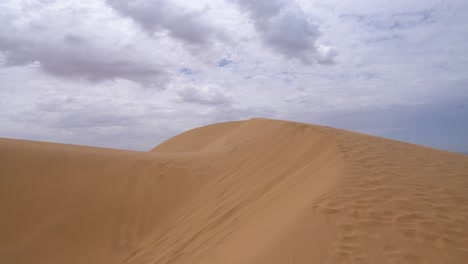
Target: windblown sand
pixel 256 191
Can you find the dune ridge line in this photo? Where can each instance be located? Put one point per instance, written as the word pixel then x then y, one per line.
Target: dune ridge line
pixel 254 191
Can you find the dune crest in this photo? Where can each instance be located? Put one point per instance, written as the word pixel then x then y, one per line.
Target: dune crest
pixel 255 191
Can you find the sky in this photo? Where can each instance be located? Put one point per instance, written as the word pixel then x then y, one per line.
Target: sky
pixel 131 74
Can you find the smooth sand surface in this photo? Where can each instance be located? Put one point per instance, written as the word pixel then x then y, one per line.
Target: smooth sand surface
pixel 255 191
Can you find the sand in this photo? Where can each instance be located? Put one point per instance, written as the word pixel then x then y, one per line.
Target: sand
pixel 255 191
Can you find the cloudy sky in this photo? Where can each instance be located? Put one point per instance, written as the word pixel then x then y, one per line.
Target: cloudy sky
pixel 130 74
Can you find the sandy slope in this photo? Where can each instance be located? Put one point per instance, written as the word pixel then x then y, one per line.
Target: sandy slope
pixel 257 191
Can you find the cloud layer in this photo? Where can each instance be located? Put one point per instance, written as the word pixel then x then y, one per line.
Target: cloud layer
pixel 129 74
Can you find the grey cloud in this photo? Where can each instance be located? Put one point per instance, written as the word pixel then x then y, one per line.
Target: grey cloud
pixel 207 96
pixel 70 55
pixel 262 10
pixel 83 61
pixel 285 27
pixel 161 15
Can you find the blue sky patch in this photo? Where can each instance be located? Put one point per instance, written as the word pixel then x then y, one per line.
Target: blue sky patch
pixel 186 71
pixel 224 62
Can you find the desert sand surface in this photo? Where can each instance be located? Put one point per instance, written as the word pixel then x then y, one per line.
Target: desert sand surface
pixel 255 191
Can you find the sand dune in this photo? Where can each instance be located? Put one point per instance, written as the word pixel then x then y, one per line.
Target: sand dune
pixel 256 191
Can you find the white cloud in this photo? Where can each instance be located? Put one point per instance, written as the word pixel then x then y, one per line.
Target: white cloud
pixel 326 54
pixel 207 95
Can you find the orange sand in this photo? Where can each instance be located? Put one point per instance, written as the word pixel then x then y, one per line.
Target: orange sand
pixel 256 191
